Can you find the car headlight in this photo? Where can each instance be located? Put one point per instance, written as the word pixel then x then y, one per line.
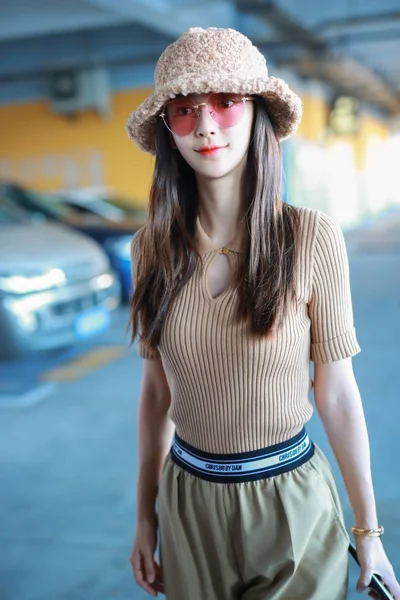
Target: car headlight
pixel 120 246
pixel 25 284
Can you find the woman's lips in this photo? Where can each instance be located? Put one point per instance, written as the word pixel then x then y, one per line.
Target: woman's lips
pixel 210 151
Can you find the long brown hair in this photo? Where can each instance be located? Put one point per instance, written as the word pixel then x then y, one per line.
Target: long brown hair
pixel 165 256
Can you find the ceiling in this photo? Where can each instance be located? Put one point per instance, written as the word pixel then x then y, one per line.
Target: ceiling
pixel 351 44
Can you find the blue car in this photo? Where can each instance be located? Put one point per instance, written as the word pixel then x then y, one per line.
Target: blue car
pixel 118 250
pixel 114 237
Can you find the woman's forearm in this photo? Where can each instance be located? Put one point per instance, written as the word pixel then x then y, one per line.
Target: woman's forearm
pixel 344 422
pixel 155 431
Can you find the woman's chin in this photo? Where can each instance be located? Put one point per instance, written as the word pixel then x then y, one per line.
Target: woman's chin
pixel 215 170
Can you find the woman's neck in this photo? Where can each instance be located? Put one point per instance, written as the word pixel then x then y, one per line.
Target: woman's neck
pixel 221 207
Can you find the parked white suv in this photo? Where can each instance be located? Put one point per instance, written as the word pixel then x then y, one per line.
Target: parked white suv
pixel 56 286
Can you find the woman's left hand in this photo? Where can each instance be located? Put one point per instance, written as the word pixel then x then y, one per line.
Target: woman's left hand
pixel 373 560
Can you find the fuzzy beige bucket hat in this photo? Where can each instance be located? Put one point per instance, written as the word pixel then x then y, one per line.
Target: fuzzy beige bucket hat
pixel 213 60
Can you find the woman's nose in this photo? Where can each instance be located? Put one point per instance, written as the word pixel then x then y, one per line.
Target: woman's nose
pixel 205 124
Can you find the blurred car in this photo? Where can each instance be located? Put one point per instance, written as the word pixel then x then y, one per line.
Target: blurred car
pixel 100 202
pixel 114 237
pixel 56 285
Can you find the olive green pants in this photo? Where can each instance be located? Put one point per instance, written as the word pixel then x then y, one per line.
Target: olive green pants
pixel 280 538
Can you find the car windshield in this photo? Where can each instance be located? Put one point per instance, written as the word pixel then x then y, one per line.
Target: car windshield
pixel 11 214
pixel 35 202
pixel 97 206
pixel 100 205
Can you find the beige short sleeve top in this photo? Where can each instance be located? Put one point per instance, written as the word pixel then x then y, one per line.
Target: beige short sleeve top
pixel 231 392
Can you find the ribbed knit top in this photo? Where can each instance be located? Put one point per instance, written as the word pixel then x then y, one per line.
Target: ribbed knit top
pixel 231 392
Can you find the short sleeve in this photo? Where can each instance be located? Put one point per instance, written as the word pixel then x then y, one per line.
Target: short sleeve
pixel 330 307
pixel 144 350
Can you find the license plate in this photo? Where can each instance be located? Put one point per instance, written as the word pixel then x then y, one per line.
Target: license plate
pixel 91 322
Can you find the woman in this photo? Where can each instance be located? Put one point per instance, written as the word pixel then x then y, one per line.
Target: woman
pixel 235 293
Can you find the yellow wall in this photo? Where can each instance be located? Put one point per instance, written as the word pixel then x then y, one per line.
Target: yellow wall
pixel 40 149
pixel 315 118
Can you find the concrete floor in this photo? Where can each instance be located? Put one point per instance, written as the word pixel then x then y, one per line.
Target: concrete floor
pixel 68 463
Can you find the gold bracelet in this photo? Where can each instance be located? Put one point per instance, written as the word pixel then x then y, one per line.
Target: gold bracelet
pixel 378 532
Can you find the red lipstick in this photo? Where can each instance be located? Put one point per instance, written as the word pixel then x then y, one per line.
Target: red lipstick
pixel 210 150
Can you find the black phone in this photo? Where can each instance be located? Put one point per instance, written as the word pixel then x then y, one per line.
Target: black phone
pixel 376 584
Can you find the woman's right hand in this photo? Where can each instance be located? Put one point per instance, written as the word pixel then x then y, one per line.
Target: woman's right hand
pixel 146 569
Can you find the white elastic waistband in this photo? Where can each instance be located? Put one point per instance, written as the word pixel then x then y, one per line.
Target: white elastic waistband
pixel 260 463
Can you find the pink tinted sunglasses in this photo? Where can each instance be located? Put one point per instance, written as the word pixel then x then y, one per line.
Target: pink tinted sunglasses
pixel 181 115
